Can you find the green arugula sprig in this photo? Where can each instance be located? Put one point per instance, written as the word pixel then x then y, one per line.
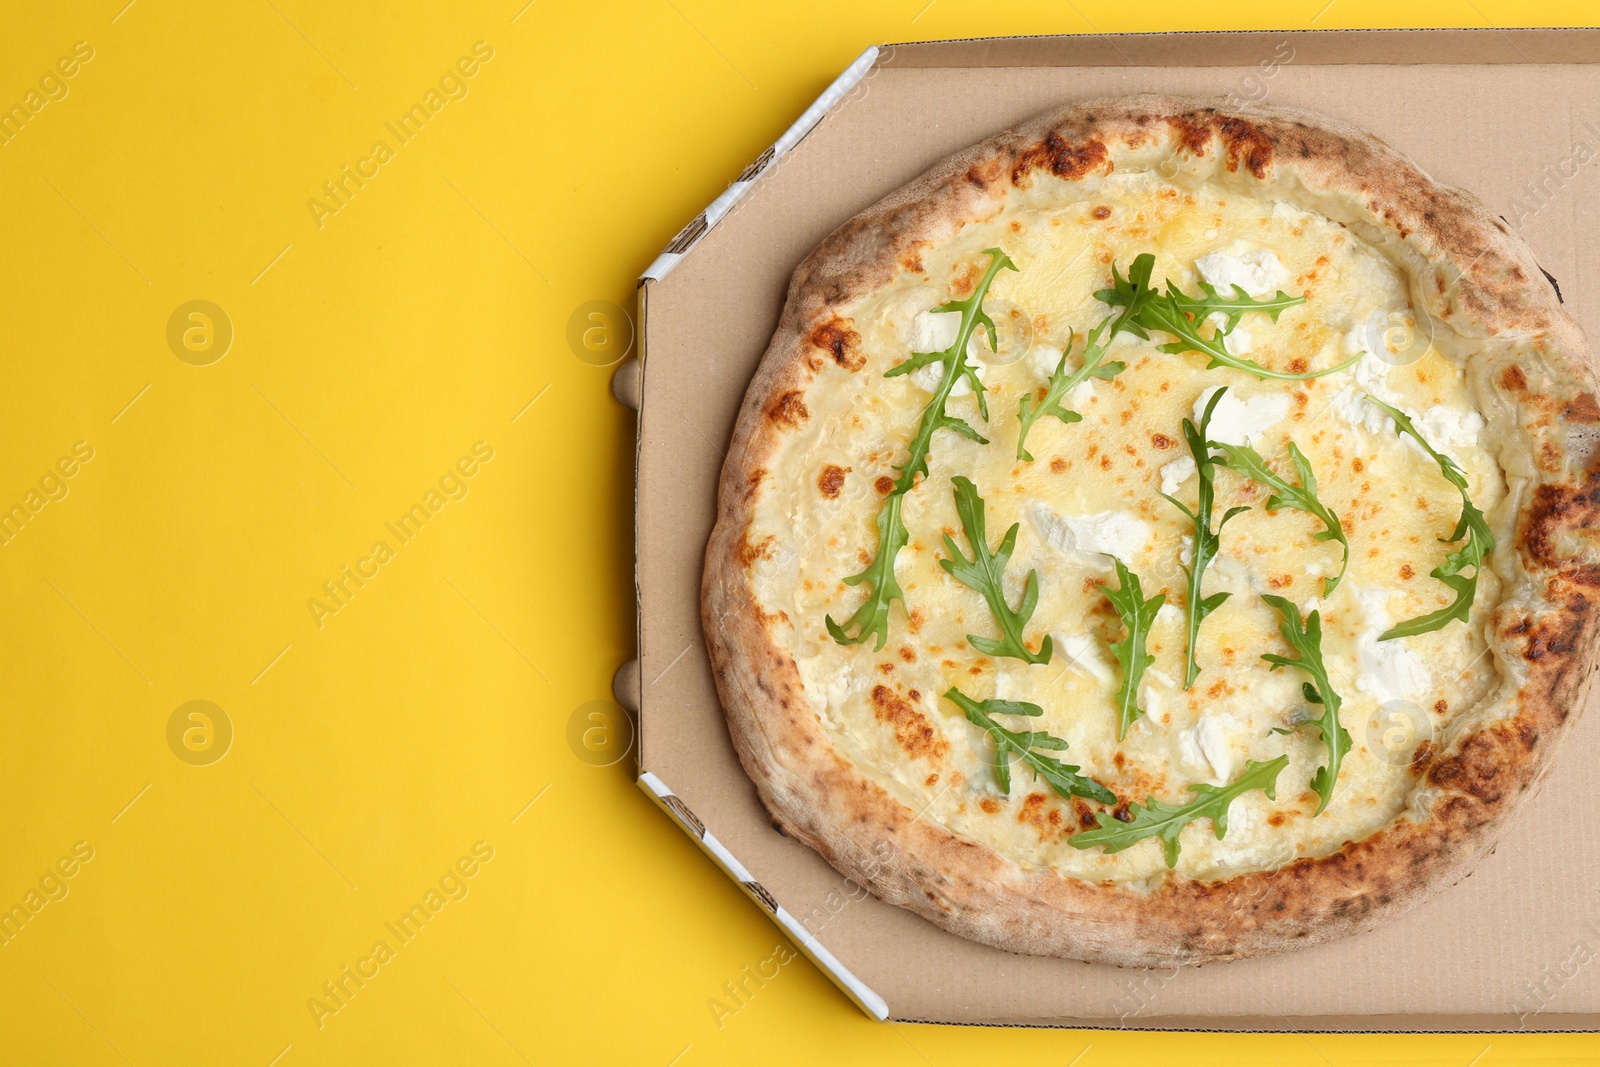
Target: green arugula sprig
pixel 1166 821
pixel 1245 460
pixel 986 573
pixel 1063 778
pixel 1062 383
pixel 1137 615
pixel 1306 639
pixel 1171 311
pixel 1207 541
pixel 871 619
pixel 1136 289
pixel 1472 525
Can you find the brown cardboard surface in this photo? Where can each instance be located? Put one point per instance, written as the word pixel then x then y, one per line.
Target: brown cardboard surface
pixel 1491 111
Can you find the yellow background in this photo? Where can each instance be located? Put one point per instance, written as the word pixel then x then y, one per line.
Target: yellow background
pixel 372 752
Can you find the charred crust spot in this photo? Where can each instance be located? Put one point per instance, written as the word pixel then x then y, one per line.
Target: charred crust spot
pixel 1242 141
pixel 912 730
pixel 1162 441
pixel 1101 212
pixel 1247 144
pixel 1422 757
pixel 831 480
pixel 983 173
pixel 1556 637
pixel 1514 380
pixel 1061 158
pixel 1058 465
pixel 1583 408
pixel 1485 767
pixel 1558 510
pixel 1085 814
pixel 840 341
pixel 789 409
pixel 884 484
pixel 989 805
pixel 749 553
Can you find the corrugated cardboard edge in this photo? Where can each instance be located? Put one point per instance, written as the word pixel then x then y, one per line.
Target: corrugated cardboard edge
pixel 853 987
pixel 701 224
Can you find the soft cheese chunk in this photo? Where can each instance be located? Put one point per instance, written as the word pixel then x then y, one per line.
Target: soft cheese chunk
pixel 1259 273
pixel 1237 419
pixel 1085 652
pixel 1389 670
pixel 928 378
pixel 1177 472
pixel 936 331
pixel 1448 428
pixel 1092 537
pixel 1206 748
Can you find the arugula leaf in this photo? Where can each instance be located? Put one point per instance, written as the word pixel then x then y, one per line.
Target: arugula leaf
pixel 1061 383
pixel 1137 615
pixel 1171 311
pixel 1133 291
pixel 1207 542
pixel 986 573
pixel 1232 307
pixel 1166 821
pixel 1131 294
pixel 871 619
pixel 1307 641
pixel 1472 525
pixel 1303 497
pixel 1063 778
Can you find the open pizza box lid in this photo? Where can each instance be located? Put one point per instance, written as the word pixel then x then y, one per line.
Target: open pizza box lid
pixel 1513 116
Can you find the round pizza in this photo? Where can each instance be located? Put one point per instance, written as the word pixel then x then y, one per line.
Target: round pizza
pixel 1159 534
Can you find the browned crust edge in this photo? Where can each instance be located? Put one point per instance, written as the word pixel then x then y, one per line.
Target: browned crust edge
pixel 1470 272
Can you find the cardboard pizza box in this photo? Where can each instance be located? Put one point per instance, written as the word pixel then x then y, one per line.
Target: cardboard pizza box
pixel 1513 116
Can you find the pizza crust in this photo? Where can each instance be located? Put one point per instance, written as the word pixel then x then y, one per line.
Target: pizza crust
pixel 1529 376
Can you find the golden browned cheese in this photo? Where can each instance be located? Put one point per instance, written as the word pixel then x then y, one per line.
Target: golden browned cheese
pixel 1094 487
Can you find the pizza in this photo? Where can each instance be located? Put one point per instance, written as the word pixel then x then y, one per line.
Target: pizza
pixel 1159 534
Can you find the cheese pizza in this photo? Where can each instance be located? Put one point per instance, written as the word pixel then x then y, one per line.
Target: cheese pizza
pixel 1168 530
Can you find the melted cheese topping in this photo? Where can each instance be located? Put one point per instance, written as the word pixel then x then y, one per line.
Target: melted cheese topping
pixel 1093 488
